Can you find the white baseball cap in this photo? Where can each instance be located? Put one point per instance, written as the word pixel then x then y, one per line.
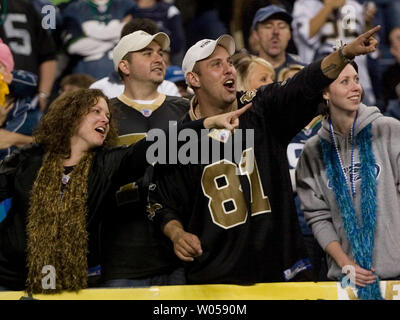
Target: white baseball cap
pixel 136 41
pixel 204 48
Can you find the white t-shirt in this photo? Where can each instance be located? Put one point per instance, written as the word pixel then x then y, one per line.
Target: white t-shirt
pixel 112 89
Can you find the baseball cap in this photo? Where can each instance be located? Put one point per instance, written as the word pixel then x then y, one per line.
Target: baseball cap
pixel 174 74
pixel 136 41
pixel 267 12
pixel 204 48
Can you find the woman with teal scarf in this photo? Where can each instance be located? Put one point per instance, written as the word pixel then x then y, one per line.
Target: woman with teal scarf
pixel 348 181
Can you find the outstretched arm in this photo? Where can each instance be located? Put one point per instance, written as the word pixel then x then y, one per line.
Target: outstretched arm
pixel 134 160
pixel 334 63
pixel 229 120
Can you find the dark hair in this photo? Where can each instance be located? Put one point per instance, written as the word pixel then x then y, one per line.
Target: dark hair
pixel 133 25
pixel 137 24
pixel 354 64
pixel 125 57
pixel 81 80
pixel 64 117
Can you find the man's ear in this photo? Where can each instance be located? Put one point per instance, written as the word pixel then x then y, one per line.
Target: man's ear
pixel 193 79
pixel 325 95
pixel 123 66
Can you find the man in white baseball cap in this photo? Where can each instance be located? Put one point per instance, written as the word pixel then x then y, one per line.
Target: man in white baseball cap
pixel 228 223
pixel 204 48
pixel 138 58
pixel 112 85
pixel 137 41
pixel 216 84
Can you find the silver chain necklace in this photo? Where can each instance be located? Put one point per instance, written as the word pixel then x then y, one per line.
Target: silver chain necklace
pixel 351 183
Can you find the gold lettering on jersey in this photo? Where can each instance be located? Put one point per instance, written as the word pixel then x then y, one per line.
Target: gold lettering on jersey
pixel 221 184
pixel 224 195
pixel 128 186
pixel 128 139
pixel 248 166
pixel 248 96
pixel 151 209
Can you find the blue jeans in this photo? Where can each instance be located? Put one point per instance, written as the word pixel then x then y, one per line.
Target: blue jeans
pixel 176 277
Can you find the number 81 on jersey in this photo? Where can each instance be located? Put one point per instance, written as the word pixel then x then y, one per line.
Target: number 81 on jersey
pixel 221 184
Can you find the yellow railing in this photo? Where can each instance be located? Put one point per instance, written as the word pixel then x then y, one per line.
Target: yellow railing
pixel 261 291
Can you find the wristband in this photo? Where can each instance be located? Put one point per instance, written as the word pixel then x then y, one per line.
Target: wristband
pixel 43 95
pixel 343 57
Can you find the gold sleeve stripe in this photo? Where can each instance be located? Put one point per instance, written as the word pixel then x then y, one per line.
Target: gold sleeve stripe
pixel 128 139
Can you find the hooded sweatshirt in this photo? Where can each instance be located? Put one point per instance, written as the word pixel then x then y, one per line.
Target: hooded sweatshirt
pixel 318 199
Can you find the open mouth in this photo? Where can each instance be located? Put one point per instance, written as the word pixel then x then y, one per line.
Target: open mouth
pixel 157 68
pixel 230 84
pixel 355 98
pixel 101 130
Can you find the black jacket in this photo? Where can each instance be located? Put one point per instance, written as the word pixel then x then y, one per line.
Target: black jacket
pixel 17 175
pixel 111 168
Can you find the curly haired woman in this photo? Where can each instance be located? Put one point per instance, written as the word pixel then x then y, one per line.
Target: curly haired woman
pixel 58 185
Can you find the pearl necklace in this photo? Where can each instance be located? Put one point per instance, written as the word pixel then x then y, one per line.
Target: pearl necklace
pixel 352 187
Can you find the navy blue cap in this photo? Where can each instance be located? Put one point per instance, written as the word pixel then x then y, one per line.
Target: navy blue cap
pixel 174 74
pixel 267 12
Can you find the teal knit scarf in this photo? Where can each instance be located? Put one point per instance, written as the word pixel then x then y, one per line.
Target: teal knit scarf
pixel 359 233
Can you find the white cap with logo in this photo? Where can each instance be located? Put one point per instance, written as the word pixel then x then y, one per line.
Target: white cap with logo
pixel 204 48
pixel 136 41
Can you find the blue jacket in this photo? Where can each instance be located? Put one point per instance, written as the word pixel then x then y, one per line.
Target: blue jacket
pixel 23 88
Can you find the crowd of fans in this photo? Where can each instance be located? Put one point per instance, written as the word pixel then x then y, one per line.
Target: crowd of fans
pixel 50 49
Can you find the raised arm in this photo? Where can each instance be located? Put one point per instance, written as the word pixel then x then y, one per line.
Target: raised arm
pixel 321 17
pixel 294 102
pixel 334 63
